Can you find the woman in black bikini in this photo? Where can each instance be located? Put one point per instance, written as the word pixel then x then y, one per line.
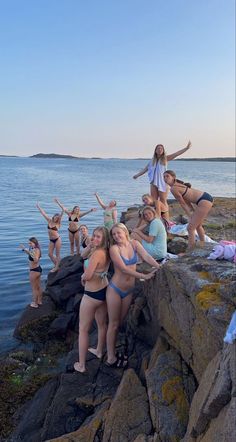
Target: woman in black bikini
pixel 187 196
pixel 54 224
pixel 35 270
pixel 84 236
pixel 74 217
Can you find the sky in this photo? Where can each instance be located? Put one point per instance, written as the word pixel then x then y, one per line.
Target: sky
pixel 113 78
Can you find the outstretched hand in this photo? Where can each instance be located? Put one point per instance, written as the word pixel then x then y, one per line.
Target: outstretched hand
pixel 37 205
pixel 94 209
pixel 21 246
pixel 189 145
pixel 147 276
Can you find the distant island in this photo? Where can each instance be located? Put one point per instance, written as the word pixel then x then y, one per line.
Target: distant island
pixel 225 159
pixel 55 155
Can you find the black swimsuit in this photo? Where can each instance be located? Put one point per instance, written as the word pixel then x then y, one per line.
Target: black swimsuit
pixel 56 230
pixel 76 220
pixel 36 269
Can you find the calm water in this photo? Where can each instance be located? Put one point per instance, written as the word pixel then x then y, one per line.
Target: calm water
pixel 24 181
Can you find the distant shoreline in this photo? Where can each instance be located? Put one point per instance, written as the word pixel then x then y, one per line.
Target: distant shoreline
pixel 71 157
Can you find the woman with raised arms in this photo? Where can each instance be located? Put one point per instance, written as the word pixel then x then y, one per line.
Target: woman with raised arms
pixel 54 224
pixel 35 270
pixel 156 168
pixel 187 196
pixel 110 212
pixel 74 217
pixel 93 304
pixel 124 255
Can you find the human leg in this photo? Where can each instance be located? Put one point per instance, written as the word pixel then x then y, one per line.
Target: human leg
pixel 50 252
pixel 33 276
pixel 58 251
pixel 71 239
pixel 164 204
pixel 101 320
pixel 88 308
pixel 114 312
pixel 77 242
pixel 196 220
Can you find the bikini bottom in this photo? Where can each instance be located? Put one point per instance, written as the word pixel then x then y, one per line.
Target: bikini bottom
pixel 99 295
pixel 120 292
pixel 205 196
pixel 54 240
pixel 37 269
pixel 73 232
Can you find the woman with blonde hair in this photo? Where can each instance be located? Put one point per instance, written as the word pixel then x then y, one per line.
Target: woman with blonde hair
pixel 110 212
pixel 35 270
pixel 156 168
pixel 124 254
pixel 74 217
pixel 54 224
pixel 187 196
pixel 93 304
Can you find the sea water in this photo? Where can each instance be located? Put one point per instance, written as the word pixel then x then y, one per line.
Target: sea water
pixel 24 181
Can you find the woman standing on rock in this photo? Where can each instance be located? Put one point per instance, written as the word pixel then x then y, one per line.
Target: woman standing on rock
pixel 187 196
pixel 156 168
pixel 155 241
pixel 54 225
pixel 84 236
pixel 110 212
pixel 74 217
pixel 93 305
pixel 35 270
pixel 124 255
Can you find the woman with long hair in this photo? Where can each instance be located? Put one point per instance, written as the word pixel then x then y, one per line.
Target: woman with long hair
pixel 54 224
pixel 35 270
pixel 124 254
pixel 154 240
pixel 84 235
pixel 156 168
pixel 110 212
pixel 74 217
pixel 195 203
pixel 93 304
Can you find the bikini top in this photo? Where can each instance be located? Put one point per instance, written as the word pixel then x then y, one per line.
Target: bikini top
pixel 30 257
pixel 185 191
pixel 53 228
pixel 76 220
pixel 130 261
pixel 102 274
pixel 84 245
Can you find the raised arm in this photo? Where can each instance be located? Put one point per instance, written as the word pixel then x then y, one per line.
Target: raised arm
pixel 100 201
pixel 43 213
pixel 86 213
pixel 64 209
pixel 179 152
pixel 142 172
pixel 116 259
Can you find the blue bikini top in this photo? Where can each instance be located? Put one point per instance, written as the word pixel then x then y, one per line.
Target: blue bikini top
pixel 130 261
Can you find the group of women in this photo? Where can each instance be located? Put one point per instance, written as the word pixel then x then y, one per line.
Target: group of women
pixel 104 299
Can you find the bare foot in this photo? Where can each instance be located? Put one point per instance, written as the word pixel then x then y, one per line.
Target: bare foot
pixel 78 367
pixel 95 352
pixel 34 305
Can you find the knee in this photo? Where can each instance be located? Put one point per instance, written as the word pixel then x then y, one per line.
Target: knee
pixel 83 328
pixel 50 254
pixel 113 326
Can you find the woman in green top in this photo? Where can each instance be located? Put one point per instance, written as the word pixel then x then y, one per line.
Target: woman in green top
pixel 110 212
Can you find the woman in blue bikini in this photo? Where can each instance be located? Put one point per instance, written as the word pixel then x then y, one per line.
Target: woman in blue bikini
pixel 54 225
pixel 187 196
pixel 124 255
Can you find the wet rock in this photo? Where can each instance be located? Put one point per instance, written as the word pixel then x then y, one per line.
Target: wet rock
pixel 34 322
pixel 60 325
pixel 170 390
pixel 128 415
pixel 68 266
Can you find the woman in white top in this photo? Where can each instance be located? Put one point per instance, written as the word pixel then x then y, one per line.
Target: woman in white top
pixel 156 168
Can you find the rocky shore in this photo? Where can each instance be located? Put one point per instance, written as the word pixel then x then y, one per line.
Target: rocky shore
pixel 181 381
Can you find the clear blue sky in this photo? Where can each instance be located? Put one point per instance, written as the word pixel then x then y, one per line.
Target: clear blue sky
pixel 115 77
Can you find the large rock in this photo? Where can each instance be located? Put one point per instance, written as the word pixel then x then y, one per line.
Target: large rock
pixel 214 401
pixel 170 391
pixel 128 415
pixel 34 322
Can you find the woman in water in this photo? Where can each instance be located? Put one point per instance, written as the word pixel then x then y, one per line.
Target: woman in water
pixel 156 168
pixel 110 212
pixel 124 255
pixel 74 218
pixel 54 225
pixel 155 241
pixel 84 235
pixel 35 270
pixel 93 305
pixel 187 196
